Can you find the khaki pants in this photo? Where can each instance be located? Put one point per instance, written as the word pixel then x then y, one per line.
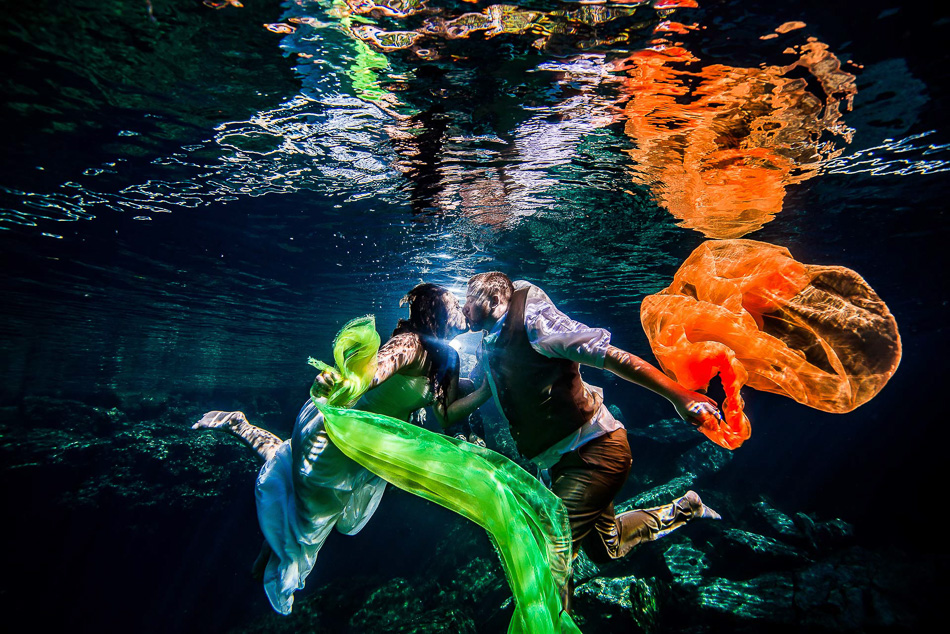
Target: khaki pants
pixel 588 479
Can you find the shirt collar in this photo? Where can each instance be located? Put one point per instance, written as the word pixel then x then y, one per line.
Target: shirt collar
pixel 492 334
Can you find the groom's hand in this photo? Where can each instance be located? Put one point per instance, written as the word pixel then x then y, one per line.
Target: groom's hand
pixel 699 410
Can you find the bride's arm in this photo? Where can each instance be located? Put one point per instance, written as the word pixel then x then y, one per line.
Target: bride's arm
pixel 464 406
pixel 403 353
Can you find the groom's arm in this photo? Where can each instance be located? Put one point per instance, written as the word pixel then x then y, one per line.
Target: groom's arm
pixel 692 407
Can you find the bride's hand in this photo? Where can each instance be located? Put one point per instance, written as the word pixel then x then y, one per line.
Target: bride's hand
pixel 325 383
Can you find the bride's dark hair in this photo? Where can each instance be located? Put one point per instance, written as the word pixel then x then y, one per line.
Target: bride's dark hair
pixel 428 311
pixel 428 317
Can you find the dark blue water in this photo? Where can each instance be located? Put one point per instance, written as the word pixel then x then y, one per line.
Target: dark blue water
pixel 191 205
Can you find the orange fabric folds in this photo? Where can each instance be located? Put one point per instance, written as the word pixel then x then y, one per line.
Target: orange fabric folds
pixel 748 312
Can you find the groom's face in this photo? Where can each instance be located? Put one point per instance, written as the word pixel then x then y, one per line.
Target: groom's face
pixel 478 306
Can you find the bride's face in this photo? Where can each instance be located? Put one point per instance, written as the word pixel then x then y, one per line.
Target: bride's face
pixel 456 323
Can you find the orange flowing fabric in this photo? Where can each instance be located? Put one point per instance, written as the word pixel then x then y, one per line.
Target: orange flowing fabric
pixel 748 312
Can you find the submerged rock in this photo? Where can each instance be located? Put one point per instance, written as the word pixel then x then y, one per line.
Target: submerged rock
pixel 329 609
pixel 665 430
pixel 658 495
pixel 39 412
pixel 583 568
pixel 704 459
pixel 763 516
pixel 843 594
pixel 802 575
pixel 858 590
pixel 604 605
pixel 686 563
pixel 824 536
pixel 763 601
pixel 144 406
pixel 742 554
pixel 84 456
pixel 399 606
pixel 646 597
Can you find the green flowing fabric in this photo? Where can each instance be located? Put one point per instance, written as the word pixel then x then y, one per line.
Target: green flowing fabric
pixel 526 522
pixel 354 352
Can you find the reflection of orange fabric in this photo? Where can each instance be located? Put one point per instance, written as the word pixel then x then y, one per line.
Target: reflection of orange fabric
pixel 748 312
pixel 719 144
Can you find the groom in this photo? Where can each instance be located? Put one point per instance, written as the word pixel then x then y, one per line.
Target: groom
pixel 531 352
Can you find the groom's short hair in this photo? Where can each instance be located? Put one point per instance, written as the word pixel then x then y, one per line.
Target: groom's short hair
pixel 492 283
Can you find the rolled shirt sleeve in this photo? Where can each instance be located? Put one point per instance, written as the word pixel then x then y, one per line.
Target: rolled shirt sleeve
pixel 555 335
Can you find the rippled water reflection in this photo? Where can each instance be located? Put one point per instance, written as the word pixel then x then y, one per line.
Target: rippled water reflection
pixel 720 144
pixel 589 146
pixel 716 145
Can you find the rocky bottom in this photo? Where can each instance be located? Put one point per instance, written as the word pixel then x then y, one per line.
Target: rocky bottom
pixel 759 569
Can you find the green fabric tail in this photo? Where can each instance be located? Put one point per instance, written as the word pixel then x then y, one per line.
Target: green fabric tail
pixel 527 522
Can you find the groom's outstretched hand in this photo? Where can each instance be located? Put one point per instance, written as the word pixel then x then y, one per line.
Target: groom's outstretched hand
pixel 699 410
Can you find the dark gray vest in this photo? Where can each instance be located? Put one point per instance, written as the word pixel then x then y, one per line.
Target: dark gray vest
pixel 543 399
